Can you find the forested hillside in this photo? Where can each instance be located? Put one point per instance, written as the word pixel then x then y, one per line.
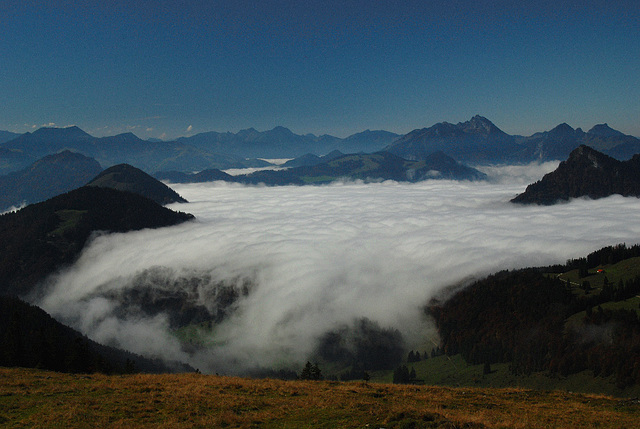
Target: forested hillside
pixel 30 338
pixel 586 173
pixel 40 238
pixel 561 319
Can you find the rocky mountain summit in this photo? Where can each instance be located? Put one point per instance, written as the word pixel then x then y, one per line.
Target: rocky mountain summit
pixel 586 173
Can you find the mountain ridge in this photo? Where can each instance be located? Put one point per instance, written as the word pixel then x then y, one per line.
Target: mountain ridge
pixel 369 167
pixel 43 237
pixel 125 177
pixel 281 142
pixel 479 141
pixel 586 173
pixel 476 141
pixel 122 148
pixel 47 177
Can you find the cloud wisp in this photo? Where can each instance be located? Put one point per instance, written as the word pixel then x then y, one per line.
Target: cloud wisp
pixel 298 262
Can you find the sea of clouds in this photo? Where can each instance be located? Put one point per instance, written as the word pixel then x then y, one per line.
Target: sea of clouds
pixel 319 257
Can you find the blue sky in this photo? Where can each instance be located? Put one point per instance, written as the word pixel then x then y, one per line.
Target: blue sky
pixel 172 68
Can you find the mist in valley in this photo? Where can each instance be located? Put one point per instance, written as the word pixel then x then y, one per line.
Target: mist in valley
pixel 264 273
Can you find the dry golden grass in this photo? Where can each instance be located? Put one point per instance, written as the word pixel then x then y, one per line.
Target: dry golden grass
pixel 32 398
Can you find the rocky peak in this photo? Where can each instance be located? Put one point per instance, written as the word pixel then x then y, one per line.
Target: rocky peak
pixel 584 151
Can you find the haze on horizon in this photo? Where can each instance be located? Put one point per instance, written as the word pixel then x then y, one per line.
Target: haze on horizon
pixel 166 69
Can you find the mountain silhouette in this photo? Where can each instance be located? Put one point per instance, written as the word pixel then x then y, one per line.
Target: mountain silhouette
pixel 46 178
pixel 125 177
pixel 475 141
pixel 586 173
pixel 41 238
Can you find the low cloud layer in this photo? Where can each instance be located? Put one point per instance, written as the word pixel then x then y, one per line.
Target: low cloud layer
pixel 308 260
pixel 518 174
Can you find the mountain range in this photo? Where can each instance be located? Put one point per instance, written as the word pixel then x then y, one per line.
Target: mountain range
pixel 478 141
pixel 199 152
pixel 5 136
pixel 65 171
pixel 118 149
pixel 586 173
pixel 369 167
pixel 310 159
pixel 280 142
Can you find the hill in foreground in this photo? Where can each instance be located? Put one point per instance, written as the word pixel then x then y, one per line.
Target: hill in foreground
pixel 38 398
pixel 586 173
pixel 40 238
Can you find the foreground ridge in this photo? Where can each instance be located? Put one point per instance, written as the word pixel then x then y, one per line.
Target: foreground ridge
pixel 32 397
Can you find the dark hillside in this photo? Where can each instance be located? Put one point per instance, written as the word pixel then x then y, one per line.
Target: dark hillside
pixel 30 338
pixel 493 319
pixel 586 173
pixel 124 177
pixel 38 239
pixel 561 320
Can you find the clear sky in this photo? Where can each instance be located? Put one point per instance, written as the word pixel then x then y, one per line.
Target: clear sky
pixel 167 68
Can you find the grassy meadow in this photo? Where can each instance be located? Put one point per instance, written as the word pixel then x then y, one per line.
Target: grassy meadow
pixel 34 398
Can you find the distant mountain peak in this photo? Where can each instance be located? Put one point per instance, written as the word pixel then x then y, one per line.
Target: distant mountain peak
pixel 66 155
pixel 479 124
pixel 248 130
pixel 128 135
pixel 604 130
pixel 563 128
pixel 281 131
pixel 67 132
pixel 47 177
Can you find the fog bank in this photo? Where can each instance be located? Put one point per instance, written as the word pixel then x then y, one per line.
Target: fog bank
pixel 301 261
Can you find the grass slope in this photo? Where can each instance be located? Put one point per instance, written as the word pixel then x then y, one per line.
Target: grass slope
pixel 455 372
pixel 32 398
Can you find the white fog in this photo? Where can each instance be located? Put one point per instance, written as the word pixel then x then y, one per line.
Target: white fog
pixel 320 257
